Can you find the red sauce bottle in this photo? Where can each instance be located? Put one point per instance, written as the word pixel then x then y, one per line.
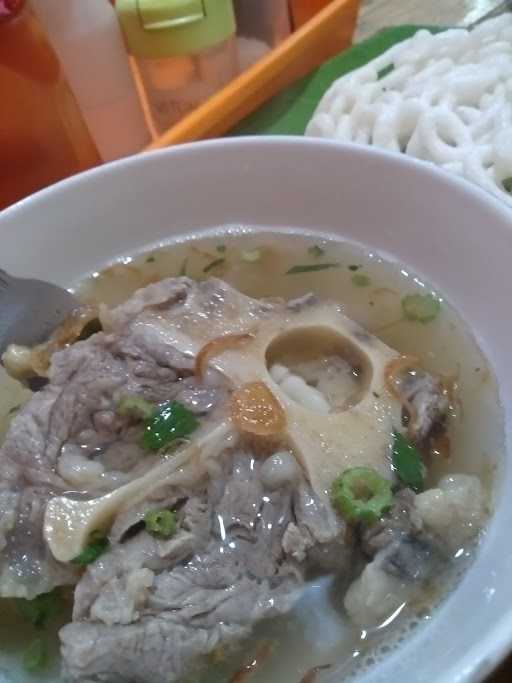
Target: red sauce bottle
pixel 303 10
pixel 43 137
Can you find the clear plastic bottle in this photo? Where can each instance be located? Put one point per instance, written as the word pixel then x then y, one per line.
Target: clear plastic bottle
pixel 88 41
pixel 181 52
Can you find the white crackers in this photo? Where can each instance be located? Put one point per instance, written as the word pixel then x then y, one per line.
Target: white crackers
pixel 446 98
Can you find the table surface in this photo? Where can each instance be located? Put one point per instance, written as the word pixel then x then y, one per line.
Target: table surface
pixel 376 14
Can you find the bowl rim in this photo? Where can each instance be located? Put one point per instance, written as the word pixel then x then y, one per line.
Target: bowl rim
pixel 125 163
pixel 492 649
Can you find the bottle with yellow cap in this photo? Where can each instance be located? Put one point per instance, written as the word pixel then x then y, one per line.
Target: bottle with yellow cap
pixel 181 53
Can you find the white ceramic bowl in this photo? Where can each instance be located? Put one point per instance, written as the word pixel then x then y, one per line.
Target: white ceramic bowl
pixel 442 227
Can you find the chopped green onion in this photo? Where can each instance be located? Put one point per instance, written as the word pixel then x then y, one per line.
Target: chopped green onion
pixel 214 264
pixel 221 248
pixel 150 259
pixel 361 495
pixel 160 523
pixel 360 280
pixel 382 73
pixel 97 545
pixel 354 267
pixel 420 307
pixel 183 269
pixel 171 421
pixel 41 609
pixel 252 255
pixel 507 184
pixel 311 268
pixel 407 463
pixel 36 656
pixel 135 406
pixel 316 251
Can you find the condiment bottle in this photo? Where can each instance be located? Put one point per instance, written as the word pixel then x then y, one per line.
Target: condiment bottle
pixel 304 10
pixel 88 41
pixel 43 137
pixel 182 52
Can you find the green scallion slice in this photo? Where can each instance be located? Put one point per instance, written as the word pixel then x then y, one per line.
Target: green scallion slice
pixel 169 422
pixel 407 463
pixel 420 308
pixel 214 264
pixel 135 406
pixel 97 545
pixel 160 523
pixel 361 495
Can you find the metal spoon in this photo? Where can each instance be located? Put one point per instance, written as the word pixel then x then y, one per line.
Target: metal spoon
pixel 30 310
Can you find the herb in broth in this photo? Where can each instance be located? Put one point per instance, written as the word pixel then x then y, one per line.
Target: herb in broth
pixel 98 544
pixel 407 463
pixel 167 423
pixel 161 523
pixel 385 71
pixel 42 609
pixel 252 255
pixel 420 307
pixel 311 268
pixel 316 251
pixel 214 264
pixel 360 280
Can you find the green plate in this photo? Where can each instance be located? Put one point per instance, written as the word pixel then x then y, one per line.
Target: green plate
pixel 289 112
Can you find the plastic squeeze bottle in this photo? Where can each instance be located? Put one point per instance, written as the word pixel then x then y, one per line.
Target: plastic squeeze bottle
pixel 182 52
pixel 86 36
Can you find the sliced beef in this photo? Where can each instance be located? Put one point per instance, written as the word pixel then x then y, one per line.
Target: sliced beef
pixel 248 533
pixel 149 609
pixel 401 544
pixel 429 401
pixel 403 557
pixel 402 520
pixel 68 436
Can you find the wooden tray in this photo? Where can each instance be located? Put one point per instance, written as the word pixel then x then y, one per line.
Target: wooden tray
pixel 329 32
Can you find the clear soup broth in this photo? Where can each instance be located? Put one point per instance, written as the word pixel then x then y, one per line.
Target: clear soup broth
pixel 371 289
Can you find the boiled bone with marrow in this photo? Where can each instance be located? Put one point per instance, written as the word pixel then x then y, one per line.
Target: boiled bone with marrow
pixel 359 433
